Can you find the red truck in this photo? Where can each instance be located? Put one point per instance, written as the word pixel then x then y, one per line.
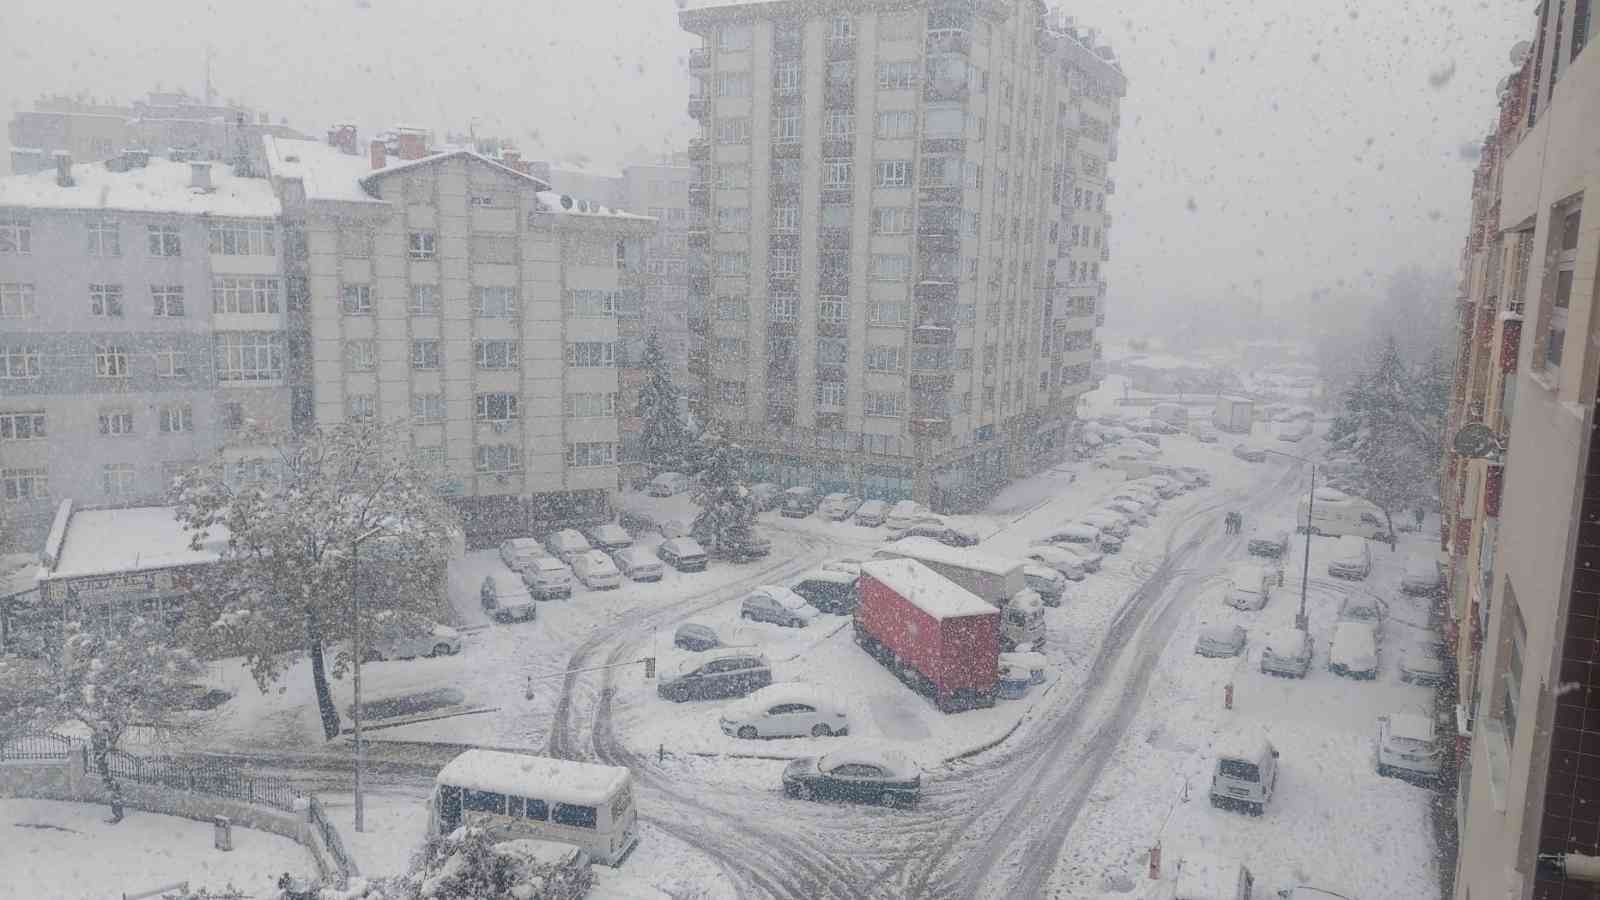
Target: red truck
pixel 937 636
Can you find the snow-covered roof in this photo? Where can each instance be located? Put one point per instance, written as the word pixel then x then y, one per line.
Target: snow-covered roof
pixel 565 205
pixel 1221 634
pixel 328 173
pixel 926 589
pixel 115 541
pixel 523 775
pixel 161 186
pixel 1205 876
pixel 1411 727
pixel 932 550
pixel 1164 361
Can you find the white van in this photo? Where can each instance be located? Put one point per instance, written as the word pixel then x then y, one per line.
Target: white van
pixel 1337 513
pixel 1247 586
pixel 1245 773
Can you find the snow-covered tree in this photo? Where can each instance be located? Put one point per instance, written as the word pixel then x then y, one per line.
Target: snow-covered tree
pixel 470 864
pixel 1392 427
pixel 105 679
pixel 345 503
pixel 663 433
pixel 727 518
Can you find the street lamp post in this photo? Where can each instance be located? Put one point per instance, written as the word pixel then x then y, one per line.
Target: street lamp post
pixel 1300 620
pixel 355 612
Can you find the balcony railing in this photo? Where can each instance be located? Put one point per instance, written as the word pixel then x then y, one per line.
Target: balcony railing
pixel 699 58
pixel 699 106
pixel 949 40
pixel 699 149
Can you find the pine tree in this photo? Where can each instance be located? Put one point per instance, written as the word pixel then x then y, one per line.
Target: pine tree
pixel 726 523
pixel 663 433
pixel 1392 428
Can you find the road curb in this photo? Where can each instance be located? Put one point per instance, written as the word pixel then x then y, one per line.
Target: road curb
pixel 380 725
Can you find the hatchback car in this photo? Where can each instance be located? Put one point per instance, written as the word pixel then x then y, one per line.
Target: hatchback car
pixel 905 514
pixel 1270 541
pixel 1220 641
pixel 863 776
pixel 723 673
pixel 943 532
pixel 596 570
pixel 1362 608
pixel 506 598
pixel 548 578
pixel 1058 559
pixel 872 513
pixel 1078 533
pixel 1050 585
pixel 566 544
pixel 828 590
pixel 1423 662
pixel 839 507
pixel 768 495
pixel 1249 453
pixel 1247 587
pixel 638 564
pixel 1286 652
pixel 778 605
pixel 1353 651
pixel 1352 558
pixel 799 502
pixel 1088 557
pixel 517 553
pixel 1107 522
pixel 608 537
pixel 786 709
pixel 682 553
pixel 696 637
pixel 1408 745
pixel 414 640
pixel 1421 574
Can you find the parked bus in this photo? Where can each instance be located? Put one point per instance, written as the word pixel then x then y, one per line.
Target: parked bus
pixel 515 795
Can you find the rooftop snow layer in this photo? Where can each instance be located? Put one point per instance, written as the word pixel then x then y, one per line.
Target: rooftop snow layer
pixel 328 173
pixel 926 589
pixel 113 541
pixel 1242 744
pixel 162 186
pixel 550 202
pixel 930 549
pixel 523 775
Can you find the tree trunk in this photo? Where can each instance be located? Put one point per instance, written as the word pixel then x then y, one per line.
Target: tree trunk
pixel 319 680
pixel 102 763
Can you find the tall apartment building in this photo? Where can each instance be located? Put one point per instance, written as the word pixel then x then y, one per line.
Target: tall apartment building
pixel 141 330
pixel 1520 528
pixel 460 295
pixel 902 213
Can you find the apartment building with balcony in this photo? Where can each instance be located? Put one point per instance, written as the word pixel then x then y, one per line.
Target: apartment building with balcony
pixel 901 213
pixel 1520 526
pixel 142 319
pixel 458 294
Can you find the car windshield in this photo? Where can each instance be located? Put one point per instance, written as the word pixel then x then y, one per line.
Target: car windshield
pixel 1239 770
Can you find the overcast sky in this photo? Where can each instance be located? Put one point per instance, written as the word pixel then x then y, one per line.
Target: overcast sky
pixel 1267 148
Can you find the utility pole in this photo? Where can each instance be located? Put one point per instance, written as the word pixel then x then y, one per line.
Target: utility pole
pixel 355 612
pixel 1300 620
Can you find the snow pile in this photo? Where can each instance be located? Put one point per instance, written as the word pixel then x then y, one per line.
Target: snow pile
pixel 162 186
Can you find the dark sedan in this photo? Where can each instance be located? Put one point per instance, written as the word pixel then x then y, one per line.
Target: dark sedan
pixel 861 776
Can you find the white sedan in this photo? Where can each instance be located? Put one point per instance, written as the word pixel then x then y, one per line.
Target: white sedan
pixel 786 709
pixel 1067 564
pixel 413 639
pixel 596 570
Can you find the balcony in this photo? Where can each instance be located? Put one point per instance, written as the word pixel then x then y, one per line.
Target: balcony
pixel 699 107
pixel 1099 320
pixel 1111 186
pixel 953 146
pixel 840 92
pixel 786 38
pixel 945 289
pixel 834 239
pixel 699 58
pixel 782 149
pixel 934 91
pixel 1105 254
pixel 949 40
pixel 841 48
pixel 928 427
pixel 941 194
pixel 699 237
pixel 699 149
pixel 838 147
pixel 934 333
pixel 942 242
pixel 699 192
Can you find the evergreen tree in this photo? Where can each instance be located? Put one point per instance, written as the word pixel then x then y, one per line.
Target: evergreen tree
pixel 726 523
pixel 1392 428
pixel 663 434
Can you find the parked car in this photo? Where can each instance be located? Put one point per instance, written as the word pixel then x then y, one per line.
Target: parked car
pixel 1352 558
pixel 1153 426
pixel 683 554
pixel 1058 559
pixel 1249 453
pixel 413 639
pixel 548 578
pixel 1165 488
pixel 828 590
pixel 1050 585
pixel 517 553
pixel 872 513
pixel 786 709
pixel 1135 511
pixel 506 598
pixel 1144 503
pixel 864 776
pixel 608 537
pixel 1201 476
pixel 754 547
pixel 1220 641
pixel 1089 557
pixel 768 495
pixel 799 502
pixel 848 564
pixel 696 637
pixel 1353 651
pixel 1362 608
pixel 201 697
pixel 943 532
pixel 596 570
pixel 1205 434
pixel 931 524
pixel 1421 574
pixel 719 673
pixel 566 544
pixel 1108 523
pixel 1078 534
pixel 1247 587
pixel 839 506
pixel 1408 745
pixel 667 484
pixel 1147 438
pixel 1270 541
pixel 905 514
pixel 1286 652
pixel 1423 662
pixel 1245 774
pixel 674 528
pixel 638 564
pixel 778 605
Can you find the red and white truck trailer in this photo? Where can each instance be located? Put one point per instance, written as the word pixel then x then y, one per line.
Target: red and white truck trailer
pixel 937 636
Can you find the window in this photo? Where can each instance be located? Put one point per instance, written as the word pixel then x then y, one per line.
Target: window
pixel 172 363
pixel 17 485
pixel 117 479
pixel 786 128
pixel 424 300
pixel 573 815
pixel 592 304
pixel 425 353
pixel 783 307
pixel 733 84
pixel 243 238
pixel 891 220
pixel 882 404
pixel 110 361
pixel 839 126
pixel 496 407
pixel 733 218
pixel 16 233
pixel 1002 182
pixel 499 458
pixel 105 300
pixel 22 426
pixel 733 264
pixel 591 354
pixel 786 77
pixel 830 395
pixel 19 361
pixel 244 295
pixel 105 239
pixel 164 240
pixel 731 392
pixel 360 356
pixel 427 407
pixel 833 309
pixel 17 301
pixel 1555 336
pixel 176 418
pixel 116 422
pixel 166 301
pixel 420 245
pixel 832 351
pixel 894 173
pixel 891 267
pixel 496 302
pixel 784 262
pixel 731 309
pixel 883 359
pixel 359 406
pixel 588 454
pixel 496 354
pixel 734 37
pixel 733 130
pixel 732 176
pixel 730 348
pixel 249 356
pixel 896 124
pixel 888 313
pixel 837 173
pixel 786 219
pixel 1003 137
pixel 591 406
pixel 897 75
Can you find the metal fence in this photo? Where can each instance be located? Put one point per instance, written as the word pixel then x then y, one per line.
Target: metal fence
pixel 218 779
pixel 330 838
pixel 36 745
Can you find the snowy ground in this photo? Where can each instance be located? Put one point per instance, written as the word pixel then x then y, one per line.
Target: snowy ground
pixel 66 850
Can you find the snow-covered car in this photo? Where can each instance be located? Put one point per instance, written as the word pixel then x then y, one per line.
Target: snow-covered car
pixel 753 547
pixel 785 709
pixel 608 537
pixel 1286 652
pixel 838 507
pixel 1153 440
pixel 1090 558
pixel 673 528
pixel 848 564
pixel 1249 453
pixel 682 553
pixel 1408 745
pixel 941 531
pixel 1133 510
pixel 732 672
pixel 768 496
pixel 1362 608
pixel 1294 432
pixel 799 501
pixel 517 553
pixel 1423 662
pixel 638 564
pixel 1201 476
pixel 828 590
pixel 566 544
pixel 1106 522
pixel 861 775
pixel 1220 641
pixel 1270 540
pixel 1205 434
pixel 1352 558
pixel 548 578
pixel 1245 775
pixel 1050 585
pixel 596 570
pixel 1353 651
pixel 905 514
pixel 1058 559
pixel 414 640
pixel 1247 587
pixel 1076 533
pixel 872 513
pixel 1153 426
pixel 667 484
pixel 1421 575
pixel 778 605
pixel 506 598
pixel 695 637
pixel 1165 488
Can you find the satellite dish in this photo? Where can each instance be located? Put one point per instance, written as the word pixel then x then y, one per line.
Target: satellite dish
pixel 1478 441
pixel 1519 52
pixel 566 201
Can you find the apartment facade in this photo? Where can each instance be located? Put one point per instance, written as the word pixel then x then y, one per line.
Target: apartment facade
pixel 1520 525
pixel 901 213
pixel 141 330
pixel 458 294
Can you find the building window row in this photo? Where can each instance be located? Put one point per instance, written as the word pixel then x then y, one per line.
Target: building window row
pixel 22 485
pixel 588 454
pixel 246 296
pixel 241 238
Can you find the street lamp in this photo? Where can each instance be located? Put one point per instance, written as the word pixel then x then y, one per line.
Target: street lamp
pixel 355 614
pixel 1300 620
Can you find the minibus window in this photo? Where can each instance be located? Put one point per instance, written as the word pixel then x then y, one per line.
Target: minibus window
pixel 483 801
pixel 514 807
pixel 449 808
pixel 574 815
pixel 538 809
pixel 620 804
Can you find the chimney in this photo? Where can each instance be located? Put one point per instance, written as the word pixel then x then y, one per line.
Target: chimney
pixel 200 176
pixel 512 159
pixel 344 137
pixel 375 149
pixel 411 144
pixel 63 168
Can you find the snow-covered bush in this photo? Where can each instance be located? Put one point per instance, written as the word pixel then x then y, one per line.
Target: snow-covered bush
pixel 469 864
